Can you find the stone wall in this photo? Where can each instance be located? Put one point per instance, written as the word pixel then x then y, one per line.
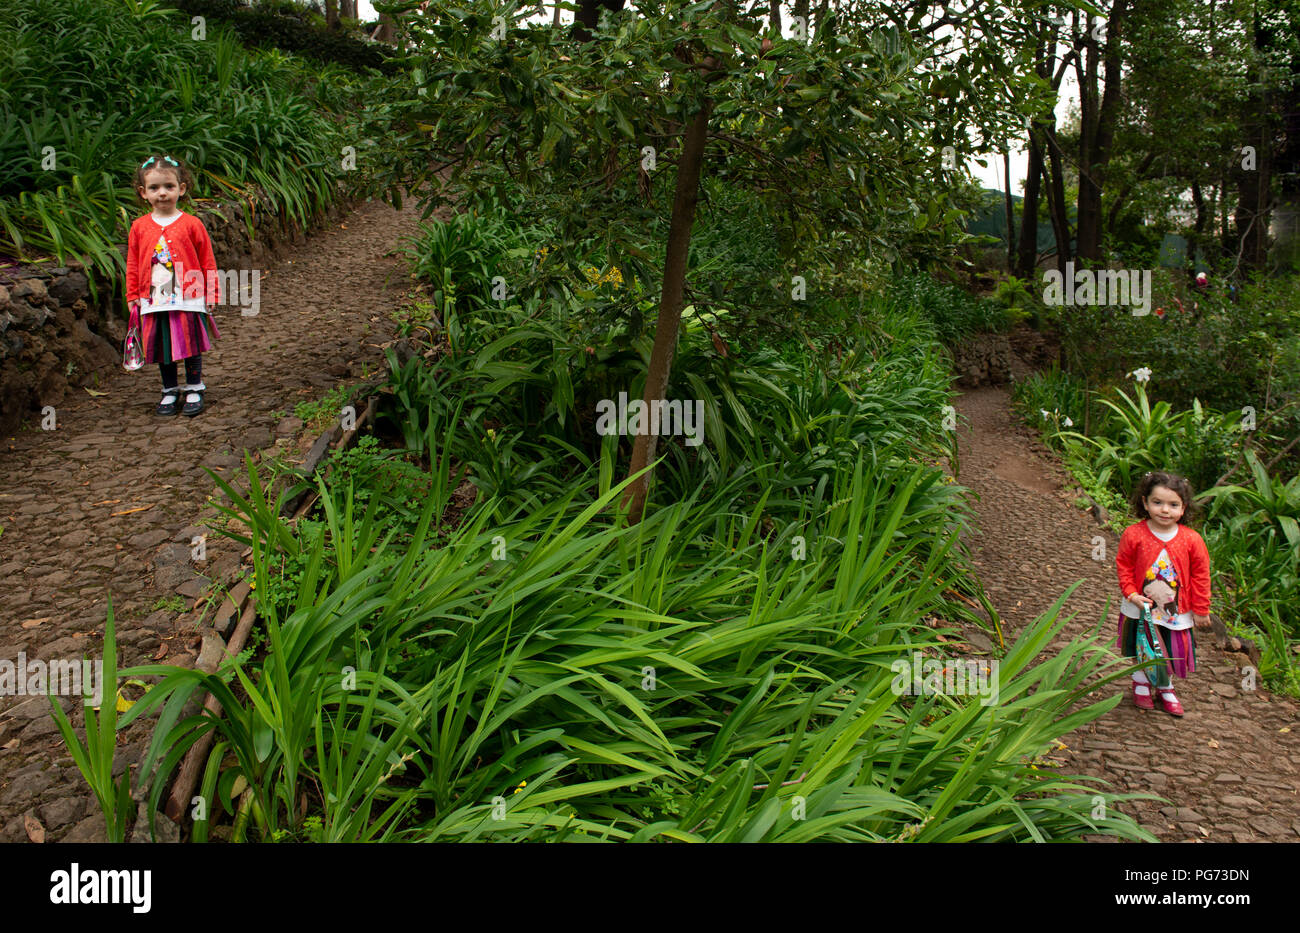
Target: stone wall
pixel 54 338
pixel 984 359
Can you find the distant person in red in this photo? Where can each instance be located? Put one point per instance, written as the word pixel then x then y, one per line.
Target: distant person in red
pixel 1163 565
pixel 171 283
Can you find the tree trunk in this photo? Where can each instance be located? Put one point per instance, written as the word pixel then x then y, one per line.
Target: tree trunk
pixel 332 14
pixel 1118 201
pixel 1198 232
pixel 1011 211
pixel 670 301
pixel 1027 263
pixel 555 22
pixel 1255 187
pixel 775 8
pixel 1056 197
pixel 1097 130
pixel 348 9
pixel 387 29
pixel 1225 231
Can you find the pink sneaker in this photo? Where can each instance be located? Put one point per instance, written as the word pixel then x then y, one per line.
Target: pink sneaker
pixel 1142 701
pixel 1170 702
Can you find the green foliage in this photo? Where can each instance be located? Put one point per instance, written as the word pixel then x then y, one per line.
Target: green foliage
pixel 1017 297
pixel 1257 534
pixel 1135 437
pixel 954 313
pixel 680 679
pixel 94 756
pixel 529 376
pixel 826 138
pixel 170 603
pixel 1048 399
pixel 1228 354
pixel 289 27
pixel 325 410
pixel 459 258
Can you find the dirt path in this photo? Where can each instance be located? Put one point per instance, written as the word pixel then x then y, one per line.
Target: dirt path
pixel 323 312
pixel 1231 766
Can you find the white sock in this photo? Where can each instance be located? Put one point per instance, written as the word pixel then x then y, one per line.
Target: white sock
pixel 169 395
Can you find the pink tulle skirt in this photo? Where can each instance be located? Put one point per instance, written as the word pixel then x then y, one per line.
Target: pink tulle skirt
pixel 172 336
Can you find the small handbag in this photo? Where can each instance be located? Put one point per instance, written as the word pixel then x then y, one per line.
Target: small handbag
pixel 133 348
pixel 1149 649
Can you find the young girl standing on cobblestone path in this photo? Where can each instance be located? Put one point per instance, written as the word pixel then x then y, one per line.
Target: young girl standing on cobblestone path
pixel 1163 565
pixel 171 283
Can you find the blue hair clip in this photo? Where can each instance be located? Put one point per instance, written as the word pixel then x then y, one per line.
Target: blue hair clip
pixel 165 159
pixel 147 162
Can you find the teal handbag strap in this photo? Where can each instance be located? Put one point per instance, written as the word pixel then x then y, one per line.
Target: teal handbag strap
pixel 1150 649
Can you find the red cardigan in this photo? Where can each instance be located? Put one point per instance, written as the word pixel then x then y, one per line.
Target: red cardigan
pixel 191 249
pixel 1138 550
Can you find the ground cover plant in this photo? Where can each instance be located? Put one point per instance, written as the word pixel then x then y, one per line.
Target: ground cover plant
pixel 598 679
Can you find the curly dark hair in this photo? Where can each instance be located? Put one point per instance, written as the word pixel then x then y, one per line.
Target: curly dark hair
pixel 159 161
pixel 1171 481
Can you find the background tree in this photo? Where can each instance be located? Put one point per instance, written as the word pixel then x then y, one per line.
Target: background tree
pixel 835 134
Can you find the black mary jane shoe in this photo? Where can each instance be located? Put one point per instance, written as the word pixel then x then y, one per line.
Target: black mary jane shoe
pixel 170 404
pixel 193 408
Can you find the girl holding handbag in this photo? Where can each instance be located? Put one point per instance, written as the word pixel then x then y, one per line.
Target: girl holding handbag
pixel 171 285
pixel 1164 574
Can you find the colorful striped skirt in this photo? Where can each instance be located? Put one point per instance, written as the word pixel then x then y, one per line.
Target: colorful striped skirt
pixel 1179 645
pixel 172 336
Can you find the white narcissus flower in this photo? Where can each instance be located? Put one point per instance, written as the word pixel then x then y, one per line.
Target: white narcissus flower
pixel 1142 375
pixel 1068 422
pixel 1044 411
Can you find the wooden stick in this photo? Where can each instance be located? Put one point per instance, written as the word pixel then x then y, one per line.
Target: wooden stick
pixel 129 511
pixel 348 439
pixel 188 776
pixel 307 502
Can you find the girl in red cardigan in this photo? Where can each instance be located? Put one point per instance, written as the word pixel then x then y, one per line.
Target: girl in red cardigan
pixel 1165 565
pixel 171 283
